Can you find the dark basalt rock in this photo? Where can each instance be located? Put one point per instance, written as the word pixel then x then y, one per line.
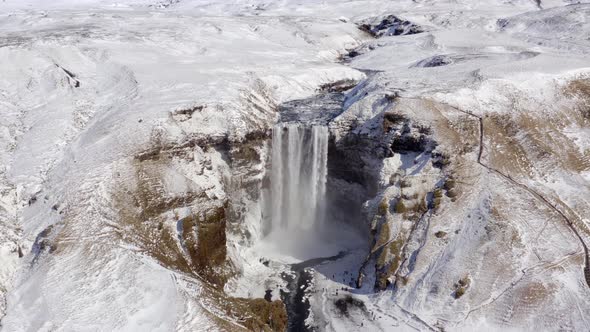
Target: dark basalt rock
pixel 409 143
pixel 319 109
pixel 348 302
pixel 390 25
pixel 435 61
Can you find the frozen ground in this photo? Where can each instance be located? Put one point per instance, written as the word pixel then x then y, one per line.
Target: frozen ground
pixel 82 92
pixel 86 86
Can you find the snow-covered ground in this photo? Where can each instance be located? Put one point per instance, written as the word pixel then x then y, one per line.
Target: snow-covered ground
pixel 83 91
pixel 87 87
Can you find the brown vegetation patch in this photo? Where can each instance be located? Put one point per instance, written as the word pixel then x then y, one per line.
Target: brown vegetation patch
pixel 194 245
pixel 388 263
pixel 437 195
pixel 580 88
pixel 461 287
pixel 400 207
pixel 383 207
pixel 531 297
pixel 384 234
pixel 505 152
pixel 207 251
pixel 458 130
pixel 184 149
pixel 338 86
pixel 259 314
pixel 203 237
pixel 518 144
pixel 546 142
pixel 533 293
pixel 246 314
pixel 440 234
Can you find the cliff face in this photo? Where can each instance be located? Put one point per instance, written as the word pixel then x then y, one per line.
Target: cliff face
pixel 137 147
pixel 134 149
pixel 463 188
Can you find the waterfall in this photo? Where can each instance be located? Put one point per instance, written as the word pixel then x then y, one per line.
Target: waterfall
pixel 298 176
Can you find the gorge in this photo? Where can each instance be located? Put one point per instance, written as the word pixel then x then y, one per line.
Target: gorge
pixel 337 165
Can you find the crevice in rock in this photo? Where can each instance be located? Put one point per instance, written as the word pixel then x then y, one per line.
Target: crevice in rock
pixel 71 76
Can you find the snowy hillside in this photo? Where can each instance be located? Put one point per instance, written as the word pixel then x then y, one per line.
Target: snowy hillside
pixel 442 180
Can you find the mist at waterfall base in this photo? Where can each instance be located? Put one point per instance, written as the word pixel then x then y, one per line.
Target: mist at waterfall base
pixel 298 226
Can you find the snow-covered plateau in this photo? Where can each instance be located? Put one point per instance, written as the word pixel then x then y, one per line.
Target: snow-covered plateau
pixel 294 165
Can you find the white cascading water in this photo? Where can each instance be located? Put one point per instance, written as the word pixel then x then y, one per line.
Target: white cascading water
pixel 298 176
